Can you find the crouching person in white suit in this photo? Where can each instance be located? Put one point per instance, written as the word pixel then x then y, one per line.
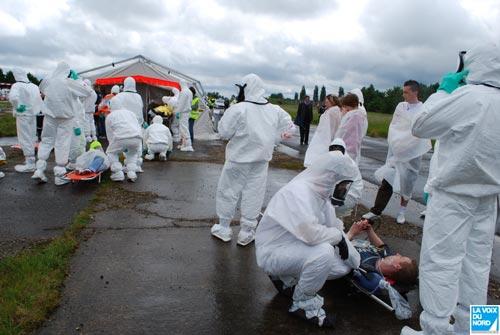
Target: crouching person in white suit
pixel 124 135
pixel 158 139
pixel 300 242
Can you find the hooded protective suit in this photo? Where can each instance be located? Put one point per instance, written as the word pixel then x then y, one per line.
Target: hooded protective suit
pixel 124 135
pixel 296 236
pixel 78 142
pixel 26 104
pixel 89 107
pixel 352 130
pixel 61 106
pixel 184 108
pixel 172 102
pixel 251 127
pixel 361 98
pixel 329 122
pixel 158 139
pixel 405 151
pixel 459 226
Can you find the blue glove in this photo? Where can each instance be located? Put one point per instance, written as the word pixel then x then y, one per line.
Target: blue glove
pixel 73 75
pixel 177 115
pixel 77 131
pixel 21 109
pixel 144 125
pixel 452 81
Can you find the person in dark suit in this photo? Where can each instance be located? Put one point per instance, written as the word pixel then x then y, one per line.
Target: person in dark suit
pixel 304 118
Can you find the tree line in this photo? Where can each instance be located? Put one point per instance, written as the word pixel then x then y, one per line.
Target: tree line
pixel 9 78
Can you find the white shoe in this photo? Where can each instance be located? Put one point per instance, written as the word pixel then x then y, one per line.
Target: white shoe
pixel 149 157
pixel 71 166
pixel 40 175
pixel 400 219
pixel 190 148
pixel 132 176
pixel 223 233
pixel 2 174
pixel 60 180
pixel 117 176
pixel 246 237
pixel 369 216
pixel 409 331
pixel 139 169
pixel 163 157
pixel 25 168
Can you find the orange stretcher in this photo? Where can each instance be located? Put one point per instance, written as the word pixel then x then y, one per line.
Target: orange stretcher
pixel 75 176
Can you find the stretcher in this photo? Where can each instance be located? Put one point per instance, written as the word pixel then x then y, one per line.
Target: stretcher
pixel 75 176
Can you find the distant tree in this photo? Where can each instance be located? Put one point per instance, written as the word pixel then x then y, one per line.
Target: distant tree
pixel 315 94
pixel 2 76
pixel 341 91
pixel 322 93
pixel 302 93
pixel 296 97
pixel 9 78
pixel 33 79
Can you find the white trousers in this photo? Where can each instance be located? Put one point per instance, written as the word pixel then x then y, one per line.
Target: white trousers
pixel 184 130
pixel 90 125
pixel 455 259
pixel 157 148
pixel 115 148
pixel 241 180
pixel 57 135
pixel 26 134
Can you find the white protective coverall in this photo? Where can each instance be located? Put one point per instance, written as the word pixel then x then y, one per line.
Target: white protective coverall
pixel 184 108
pixel 361 98
pixel 124 134
pixel 172 102
pixel 26 104
pixel 78 142
pixel 252 127
pixel 158 139
pixel 405 151
pixel 296 236
pixel 132 101
pixel 60 107
pixel 89 107
pixel 459 227
pixel 352 130
pixel 328 125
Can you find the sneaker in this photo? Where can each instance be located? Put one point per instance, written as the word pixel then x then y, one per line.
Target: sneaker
pixel 280 286
pixel 39 175
pixel 61 180
pixel 246 237
pixel 139 169
pixel 400 219
pixel 23 168
pixel 163 157
pixel 409 331
pixel 2 174
pixel 149 157
pixel 132 176
pixel 422 214
pixel 222 233
pixel 117 176
pixel 369 216
pixel 328 321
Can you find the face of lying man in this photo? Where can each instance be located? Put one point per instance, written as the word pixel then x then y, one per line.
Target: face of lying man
pixel 394 263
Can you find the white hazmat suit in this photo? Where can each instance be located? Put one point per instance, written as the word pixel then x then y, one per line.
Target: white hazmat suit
pixel 78 142
pixel 328 125
pixel 124 135
pixel 352 130
pixel 252 127
pixel 459 227
pixel 26 104
pixel 172 102
pixel 89 107
pixel 60 108
pixel 158 139
pixel 184 108
pixel 296 236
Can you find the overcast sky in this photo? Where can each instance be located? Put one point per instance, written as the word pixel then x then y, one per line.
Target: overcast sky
pixel 288 43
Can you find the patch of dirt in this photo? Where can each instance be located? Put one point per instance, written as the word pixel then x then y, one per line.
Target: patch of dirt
pixel 114 196
pixel 14 246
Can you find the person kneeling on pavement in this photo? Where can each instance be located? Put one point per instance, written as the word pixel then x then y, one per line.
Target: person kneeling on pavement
pixel 92 161
pixel 300 241
pixel 158 139
pixel 124 135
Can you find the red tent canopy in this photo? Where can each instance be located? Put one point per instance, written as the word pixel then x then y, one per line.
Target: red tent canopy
pixel 138 79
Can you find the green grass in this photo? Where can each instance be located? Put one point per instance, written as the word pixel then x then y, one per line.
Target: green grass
pixel 31 281
pixel 5 105
pixel 7 125
pixel 378 123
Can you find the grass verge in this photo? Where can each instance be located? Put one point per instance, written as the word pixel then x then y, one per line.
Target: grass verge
pixel 7 125
pixel 5 105
pixel 31 281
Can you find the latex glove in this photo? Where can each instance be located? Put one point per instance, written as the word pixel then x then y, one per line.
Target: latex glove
pixel 144 125
pixel 77 131
pixel 452 81
pixel 343 249
pixel 21 109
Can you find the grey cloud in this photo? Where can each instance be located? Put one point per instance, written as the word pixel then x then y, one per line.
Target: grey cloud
pixel 281 8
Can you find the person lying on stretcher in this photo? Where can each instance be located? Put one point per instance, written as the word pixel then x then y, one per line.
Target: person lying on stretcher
pixel 92 161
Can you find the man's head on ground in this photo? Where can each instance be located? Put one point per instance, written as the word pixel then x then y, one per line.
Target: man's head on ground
pixel 349 102
pixel 410 91
pixel 331 101
pixel 403 270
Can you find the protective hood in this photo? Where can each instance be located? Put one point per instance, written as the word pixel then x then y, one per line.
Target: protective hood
pixel 175 91
pixel 358 92
pixel 253 88
pixel 483 63
pixel 61 71
pixel 129 85
pixel 115 89
pixel 326 171
pixel 165 100
pixel 158 119
pixel 20 75
pixel 338 141
pixel 115 104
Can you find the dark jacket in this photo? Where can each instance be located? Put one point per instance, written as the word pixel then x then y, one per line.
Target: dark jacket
pixel 304 114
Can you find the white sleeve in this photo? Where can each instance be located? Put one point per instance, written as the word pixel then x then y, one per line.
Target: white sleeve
pixel 230 122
